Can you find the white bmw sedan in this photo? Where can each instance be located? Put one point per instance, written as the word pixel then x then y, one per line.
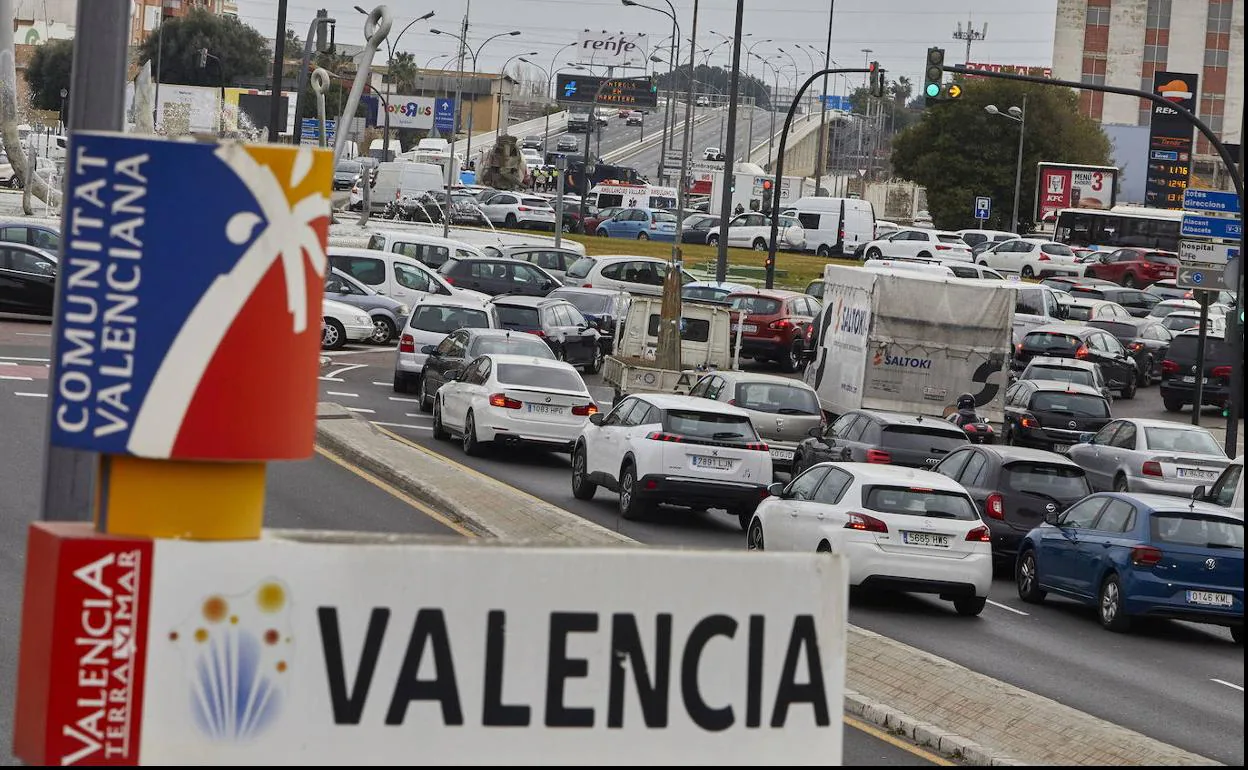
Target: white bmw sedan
pixel 510 399
pixel 903 529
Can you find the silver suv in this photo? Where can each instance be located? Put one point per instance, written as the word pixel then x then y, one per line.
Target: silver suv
pixel 635 275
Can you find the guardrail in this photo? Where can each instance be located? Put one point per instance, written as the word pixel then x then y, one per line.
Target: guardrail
pixel 799 129
pixel 485 141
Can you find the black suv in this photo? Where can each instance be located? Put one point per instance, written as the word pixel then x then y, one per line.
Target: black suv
pixel 1085 342
pixel 880 437
pixel 444 361
pixel 570 336
pixel 1052 415
pixel 1014 488
pixel 498 275
pixel 603 308
pixel 1136 301
pixel 1146 341
pixel 1178 371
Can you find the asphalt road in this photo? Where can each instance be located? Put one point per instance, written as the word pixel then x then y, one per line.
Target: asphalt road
pixel 708 132
pixel 1178 682
pixel 320 493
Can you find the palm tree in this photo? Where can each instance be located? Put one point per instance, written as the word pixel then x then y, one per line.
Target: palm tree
pixel 403 72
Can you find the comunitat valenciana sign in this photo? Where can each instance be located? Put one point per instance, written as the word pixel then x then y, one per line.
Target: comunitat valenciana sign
pixel 277 652
pixel 612 49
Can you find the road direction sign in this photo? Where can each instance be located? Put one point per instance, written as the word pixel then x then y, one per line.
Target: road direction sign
pixel 1210 200
pixel 1200 277
pixel 444 115
pixel 983 207
pixel 1207 252
pixel 1199 226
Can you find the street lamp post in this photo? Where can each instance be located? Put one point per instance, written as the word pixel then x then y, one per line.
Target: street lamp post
pixel 775 92
pixel 1018 115
pixel 390 46
pixel 503 71
pixel 204 56
pixel 64 96
pixel 463 40
pixel 749 142
pixel 673 57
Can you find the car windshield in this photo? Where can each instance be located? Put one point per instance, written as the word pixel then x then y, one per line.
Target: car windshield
pixel 776 398
pixel 1123 331
pixel 951 239
pixel 348 167
pixel 1183 348
pixel 1050 341
pixel 1179 439
pixel 1161 259
pixel 921 438
pixel 517 317
pixel 590 304
pixel 755 305
pixel 1163 309
pixel 663 216
pixel 537 203
pixel 1060 374
pixel 919 501
pixel 1059 249
pixel 1079 312
pixel 1063 482
pixel 1177 322
pixel 731 428
pixel 445 319
pixel 1191 528
pixel 697 222
pixel 517 346
pixel 1075 404
pixel 581 267
pixel 705 293
pixel 544 377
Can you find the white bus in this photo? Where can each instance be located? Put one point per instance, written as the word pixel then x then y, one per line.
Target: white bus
pixel 1118 228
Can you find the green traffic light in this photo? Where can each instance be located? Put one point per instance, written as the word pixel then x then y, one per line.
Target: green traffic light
pixel 933 90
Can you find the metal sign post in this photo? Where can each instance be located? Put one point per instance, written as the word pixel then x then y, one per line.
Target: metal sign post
pixel 561 164
pixel 1198 380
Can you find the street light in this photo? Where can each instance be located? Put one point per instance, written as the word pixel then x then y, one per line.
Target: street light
pixel 474 54
pixel 669 117
pixel 775 91
pixel 390 46
pixel 64 96
pixel 503 69
pixel 1018 115
pixel 749 51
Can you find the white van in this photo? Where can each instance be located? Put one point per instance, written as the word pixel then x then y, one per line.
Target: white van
pixel 377 150
pixel 404 179
pixel 394 275
pixel 429 250
pixel 834 226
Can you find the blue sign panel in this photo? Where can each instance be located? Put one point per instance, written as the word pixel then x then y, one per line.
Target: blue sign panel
pixel 1170 155
pixel 834 102
pixel 1210 200
pixel 310 128
pixel 983 207
pixel 1197 226
pixel 444 115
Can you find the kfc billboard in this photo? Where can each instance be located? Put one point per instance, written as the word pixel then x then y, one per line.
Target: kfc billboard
pixel 1067 186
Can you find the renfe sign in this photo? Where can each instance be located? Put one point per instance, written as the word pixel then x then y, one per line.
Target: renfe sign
pixel 281 652
pixel 612 49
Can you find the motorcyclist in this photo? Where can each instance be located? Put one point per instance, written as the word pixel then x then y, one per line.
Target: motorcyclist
pixel 965 413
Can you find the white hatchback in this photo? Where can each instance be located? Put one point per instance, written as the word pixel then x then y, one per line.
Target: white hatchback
pixel 430 321
pixel 342 323
pixel 904 529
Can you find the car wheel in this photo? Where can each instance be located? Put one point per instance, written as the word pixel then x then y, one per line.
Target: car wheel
pixel 1027 272
pixel 983 263
pixel 602 233
pixel 824 251
pixel 874 253
pixel 1144 375
pixel 791 359
pixel 426 402
pixel 712 240
pixel 969 606
pixel 1128 280
pixel 15 183
pixel 510 222
pixel 1172 405
pixel 401 383
pixel 595 363
pixel 439 430
pixel 630 507
pixel 1028 579
pixel 472 447
pixel 1120 483
pixel 333 335
pixel 760 245
pixel 582 487
pixel 642 237
pixel 1128 392
pixel 924 255
pixel 743 516
pixel 754 536
pixel 1237 634
pixel 1109 608
pixel 383 330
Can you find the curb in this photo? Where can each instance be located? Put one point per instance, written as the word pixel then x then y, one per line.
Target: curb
pixel 924 734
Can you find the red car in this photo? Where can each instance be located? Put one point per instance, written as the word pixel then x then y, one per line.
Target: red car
pixel 1134 266
pixel 774 324
pixel 591 222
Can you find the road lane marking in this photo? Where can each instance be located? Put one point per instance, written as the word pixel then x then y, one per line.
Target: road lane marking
pixel 876 732
pixel 31 395
pixel 1009 609
pixel 34 334
pixel 340 393
pixel 408 400
pixel 19 358
pixel 397 493
pixel 1228 684
pixel 361 411
pixel 383 384
pixel 401 425
pixel 418 415
pixel 15 377
pixel 333 376
pixel 358 352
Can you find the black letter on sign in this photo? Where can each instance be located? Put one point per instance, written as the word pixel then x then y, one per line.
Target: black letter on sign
pixel 626 643
pixel 494 713
pixel 703 715
pixel 754 674
pixel 430 627
pixel 789 691
pixel 559 668
pixel 349 708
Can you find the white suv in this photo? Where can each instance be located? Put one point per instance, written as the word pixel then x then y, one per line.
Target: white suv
pixel 635 275
pixel 660 448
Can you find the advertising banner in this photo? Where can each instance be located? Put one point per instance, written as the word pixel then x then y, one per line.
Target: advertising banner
pixel 410 111
pixel 638 93
pixel 281 652
pixel 162 305
pixel 612 49
pixel 1170 141
pixel 1066 186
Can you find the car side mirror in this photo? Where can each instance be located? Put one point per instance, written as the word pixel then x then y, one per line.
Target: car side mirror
pixel 430 350
pixel 1053 517
pixel 597 419
pixel 1199 493
pixel 776 490
pixel 1087 438
pixel 816 432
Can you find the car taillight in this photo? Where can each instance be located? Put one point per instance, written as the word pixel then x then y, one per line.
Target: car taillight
pixel 587 285
pixel 810 333
pixel 1135 346
pixel 1081 351
pixel 585 410
pixel 864 523
pixel 502 401
pixel 995 506
pixel 523 208
pixel 1018 349
pixel 1145 556
pixel 449 279
pixel 1043 258
pixel 783 325
pixel 1029 422
pixel 1151 468
pixel 1169 367
pixel 979 535
pixel 757 446
pixel 407 344
pixel 941 247
pixel 878 456
pixel 538 333
pixel 1221 371
pixel 661 436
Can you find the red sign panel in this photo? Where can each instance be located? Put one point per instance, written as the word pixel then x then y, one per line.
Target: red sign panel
pixel 1064 186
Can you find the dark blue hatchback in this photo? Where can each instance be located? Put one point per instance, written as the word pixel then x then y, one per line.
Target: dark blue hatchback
pixel 1140 555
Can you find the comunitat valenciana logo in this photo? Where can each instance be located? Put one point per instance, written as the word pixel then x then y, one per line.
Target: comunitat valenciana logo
pixel 410 109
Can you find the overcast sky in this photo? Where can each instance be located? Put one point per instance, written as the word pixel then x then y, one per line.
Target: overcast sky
pixel 898 31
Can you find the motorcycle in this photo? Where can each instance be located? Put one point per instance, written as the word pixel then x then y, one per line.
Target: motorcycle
pixel 978 430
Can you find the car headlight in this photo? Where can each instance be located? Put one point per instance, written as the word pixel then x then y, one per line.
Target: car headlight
pixel 404 310
pixel 363 319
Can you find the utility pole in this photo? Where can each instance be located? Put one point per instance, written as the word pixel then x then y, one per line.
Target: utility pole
pixel 279 61
pixel 970 36
pixel 730 148
pixel 821 152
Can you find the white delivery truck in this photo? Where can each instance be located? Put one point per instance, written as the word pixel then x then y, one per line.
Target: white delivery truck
pixel 753 192
pixel 909 342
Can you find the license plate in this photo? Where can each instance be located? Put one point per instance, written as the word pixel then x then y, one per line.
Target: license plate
pixel 545 409
pixel 929 539
pixel 1061 448
pixel 747 329
pixel 1196 473
pixel 713 463
pixel 781 454
pixel 1192 378
pixel 1209 598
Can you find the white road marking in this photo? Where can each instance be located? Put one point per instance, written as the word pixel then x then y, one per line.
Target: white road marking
pixel 14 377
pixel 408 400
pixel 1228 684
pixel 31 395
pixel 19 358
pixel 334 374
pixel 34 334
pixel 338 393
pixel 419 416
pixel 401 425
pixel 1009 609
pixel 361 411
pixel 8 363
pixel 386 349
pixel 383 384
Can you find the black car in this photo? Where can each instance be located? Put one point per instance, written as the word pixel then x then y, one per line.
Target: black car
pixel 1146 340
pixel 880 437
pixel 498 275
pixel 1052 415
pixel 697 227
pixel 1178 371
pixel 1014 488
pixel 570 336
pixel 1136 301
pixel 603 308
pixel 533 142
pixel 444 361
pixel 46 237
pixel 568 144
pixel 27 280
pixel 1085 342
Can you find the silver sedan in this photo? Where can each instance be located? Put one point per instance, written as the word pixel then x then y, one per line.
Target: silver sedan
pixel 1139 455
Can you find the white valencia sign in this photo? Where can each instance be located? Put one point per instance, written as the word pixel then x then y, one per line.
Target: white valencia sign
pixel 285 653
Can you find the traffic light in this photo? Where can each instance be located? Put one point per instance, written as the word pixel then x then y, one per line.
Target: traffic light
pixel 877 80
pixel 933 75
pixel 952 91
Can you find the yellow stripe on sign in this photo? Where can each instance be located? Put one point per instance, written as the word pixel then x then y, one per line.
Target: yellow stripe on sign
pixel 179 499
